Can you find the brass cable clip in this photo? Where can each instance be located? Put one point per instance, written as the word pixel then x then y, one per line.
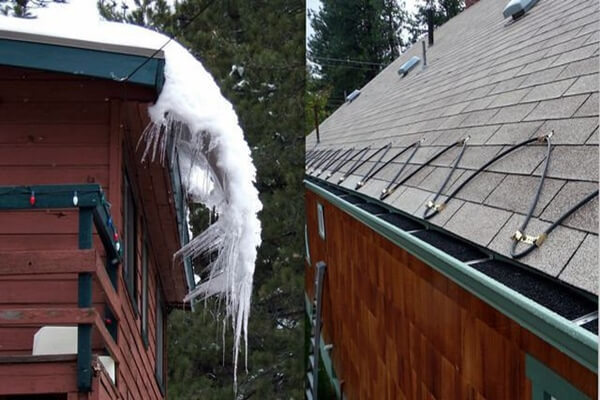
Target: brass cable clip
pixel 528 239
pixel 437 207
pixel 547 136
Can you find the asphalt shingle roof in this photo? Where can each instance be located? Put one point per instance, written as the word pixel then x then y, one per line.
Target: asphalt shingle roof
pixel 500 82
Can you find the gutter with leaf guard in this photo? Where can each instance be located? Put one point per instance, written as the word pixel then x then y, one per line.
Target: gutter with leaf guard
pixel 559 332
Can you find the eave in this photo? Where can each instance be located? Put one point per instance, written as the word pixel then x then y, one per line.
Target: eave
pixel 78 57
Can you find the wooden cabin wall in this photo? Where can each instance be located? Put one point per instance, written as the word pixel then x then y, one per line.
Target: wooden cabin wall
pixel 63 129
pixel 401 330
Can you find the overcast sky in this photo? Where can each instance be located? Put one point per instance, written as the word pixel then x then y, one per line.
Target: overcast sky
pixel 316 4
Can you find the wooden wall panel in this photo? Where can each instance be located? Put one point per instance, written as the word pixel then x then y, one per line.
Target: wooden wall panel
pixel 60 129
pixel 402 330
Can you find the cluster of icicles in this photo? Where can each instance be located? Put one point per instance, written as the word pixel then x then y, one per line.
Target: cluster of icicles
pixel 217 171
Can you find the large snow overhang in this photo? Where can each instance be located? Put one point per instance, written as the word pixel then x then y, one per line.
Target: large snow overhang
pixel 571 339
pixel 80 57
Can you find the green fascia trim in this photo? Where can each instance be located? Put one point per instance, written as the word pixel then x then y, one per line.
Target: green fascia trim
pixel 561 333
pixel 324 355
pixel 546 382
pixel 80 61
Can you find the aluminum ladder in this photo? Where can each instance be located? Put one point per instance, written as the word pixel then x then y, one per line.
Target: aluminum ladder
pixel 312 376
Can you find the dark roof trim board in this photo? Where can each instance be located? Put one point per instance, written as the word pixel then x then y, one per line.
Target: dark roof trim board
pixel 82 58
pixel 561 333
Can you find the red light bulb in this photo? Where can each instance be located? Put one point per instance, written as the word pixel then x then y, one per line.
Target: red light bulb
pixel 32 198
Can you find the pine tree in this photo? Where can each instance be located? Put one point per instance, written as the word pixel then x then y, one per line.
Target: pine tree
pixel 255 52
pixel 353 40
pixel 443 10
pixel 23 8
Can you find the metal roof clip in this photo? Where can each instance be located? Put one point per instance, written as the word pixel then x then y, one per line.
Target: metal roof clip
pixel 528 239
pixel 437 207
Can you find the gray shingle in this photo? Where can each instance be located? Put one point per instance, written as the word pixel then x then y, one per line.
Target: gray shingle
pixel 564 107
pixel 573 162
pixel 442 217
pixel 452 122
pixel 589 108
pixel 537 65
pixel 508 98
pixel 510 84
pixel 479 104
pixel 521 161
pixel 450 136
pixel 582 67
pixel 577 54
pixel 513 113
pixel 455 109
pixel 566 46
pixel 585 84
pixel 479 117
pixel 436 178
pixel 419 177
pixel 374 186
pixel 473 157
pixel 477 223
pixel 548 91
pixel 517 192
pixel 481 91
pixel 582 270
pixel 480 134
pixel 479 188
pixel 514 133
pixel 594 138
pixel 409 200
pixel 540 77
pixel 585 218
pixel 570 131
pixel 554 253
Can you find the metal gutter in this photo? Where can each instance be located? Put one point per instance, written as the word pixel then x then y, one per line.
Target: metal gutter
pixel 575 341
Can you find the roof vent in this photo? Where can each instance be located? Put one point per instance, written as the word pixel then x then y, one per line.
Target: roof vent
pixel 516 8
pixel 353 95
pixel 407 66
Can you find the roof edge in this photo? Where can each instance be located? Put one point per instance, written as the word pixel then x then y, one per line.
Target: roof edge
pixel 561 333
pixel 81 44
pixel 98 63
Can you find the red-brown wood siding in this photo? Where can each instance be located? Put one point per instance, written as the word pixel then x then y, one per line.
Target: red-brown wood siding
pixel 61 129
pixel 401 330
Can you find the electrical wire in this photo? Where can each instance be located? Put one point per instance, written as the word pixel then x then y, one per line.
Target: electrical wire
pixel 431 205
pixel 389 190
pixel 353 168
pixel 334 160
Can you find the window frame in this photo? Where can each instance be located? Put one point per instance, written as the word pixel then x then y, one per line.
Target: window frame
pixel 159 374
pixel 144 301
pixel 547 384
pixel 306 244
pixel 130 266
pixel 321 220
